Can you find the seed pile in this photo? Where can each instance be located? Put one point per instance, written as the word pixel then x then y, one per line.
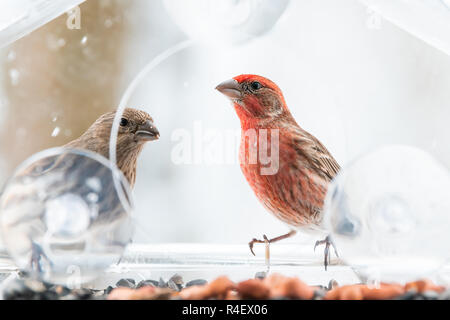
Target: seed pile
pixel 30 289
pixel 274 286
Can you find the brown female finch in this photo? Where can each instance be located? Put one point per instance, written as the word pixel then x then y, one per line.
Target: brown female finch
pixel 136 128
pixel 295 189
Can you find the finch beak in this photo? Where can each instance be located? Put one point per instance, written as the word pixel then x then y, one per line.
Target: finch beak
pixel 231 89
pixel 147 132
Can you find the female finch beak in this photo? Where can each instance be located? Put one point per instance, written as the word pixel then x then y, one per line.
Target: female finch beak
pixel 231 89
pixel 147 132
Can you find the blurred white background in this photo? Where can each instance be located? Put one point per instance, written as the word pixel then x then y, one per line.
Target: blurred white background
pixel 351 78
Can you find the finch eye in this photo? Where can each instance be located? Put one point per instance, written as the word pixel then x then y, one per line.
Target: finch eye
pixel 123 122
pixel 256 85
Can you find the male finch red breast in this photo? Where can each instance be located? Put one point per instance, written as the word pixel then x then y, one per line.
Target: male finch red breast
pixel 295 191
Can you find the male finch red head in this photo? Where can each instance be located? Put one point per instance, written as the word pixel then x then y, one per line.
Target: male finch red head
pixel 256 99
pixel 295 192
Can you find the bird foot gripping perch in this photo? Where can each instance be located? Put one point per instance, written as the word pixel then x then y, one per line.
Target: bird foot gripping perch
pixel 267 242
pixel 327 254
pixel 36 255
pixel 327 242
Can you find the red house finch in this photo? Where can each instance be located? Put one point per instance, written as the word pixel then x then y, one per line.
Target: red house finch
pixel 295 190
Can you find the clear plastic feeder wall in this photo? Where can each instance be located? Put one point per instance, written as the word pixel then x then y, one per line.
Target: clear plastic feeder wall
pixel 65 215
pixel 356 74
pixel 226 21
pixel 389 214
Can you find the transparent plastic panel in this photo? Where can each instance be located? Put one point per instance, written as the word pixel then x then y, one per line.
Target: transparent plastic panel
pixel 388 214
pixel 429 20
pixel 355 74
pixel 66 214
pixel 225 21
pixel 20 17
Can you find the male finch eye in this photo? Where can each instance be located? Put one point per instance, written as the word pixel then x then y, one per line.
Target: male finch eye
pixel 256 85
pixel 123 122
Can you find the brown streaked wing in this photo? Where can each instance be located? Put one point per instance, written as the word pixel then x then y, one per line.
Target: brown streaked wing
pixel 323 161
pixel 316 154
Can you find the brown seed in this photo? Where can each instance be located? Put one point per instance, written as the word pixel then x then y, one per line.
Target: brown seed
pixel 220 287
pixel 253 289
pixel 423 285
pixel 158 294
pixel 360 292
pixel 349 292
pixel 232 295
pixel 274 280
pixel 144 293
pixel 121 293
pixel 296 289
pixel 195 293
pixel 383 292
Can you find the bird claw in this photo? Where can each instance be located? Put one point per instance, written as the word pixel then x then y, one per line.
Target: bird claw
pixel 327 254
pixel 36 258
pixel 251 248
pixel 251 243
pixel 267 241
pixel 318 243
